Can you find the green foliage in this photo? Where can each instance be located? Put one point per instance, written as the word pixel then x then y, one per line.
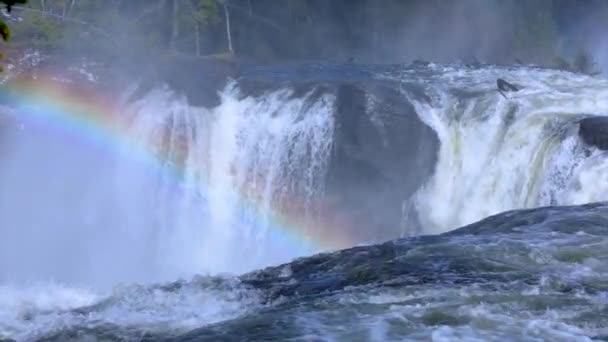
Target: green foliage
pixel 10 3
pixel 5 32
pixel 206 12
pixel 116 28
pixel 266 30
pixel 37 31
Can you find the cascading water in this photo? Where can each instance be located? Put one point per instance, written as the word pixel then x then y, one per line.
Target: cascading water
pixel 268 158
pixel 499 154
pixel 255 181
pixel 211 202
pixel 219 194
pixel 250 170
pixel 241 162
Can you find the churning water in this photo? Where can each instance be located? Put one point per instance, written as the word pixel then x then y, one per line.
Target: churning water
pixel 499 154
pixel 95 236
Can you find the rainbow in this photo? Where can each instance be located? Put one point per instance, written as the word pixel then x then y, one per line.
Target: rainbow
pixel 90 116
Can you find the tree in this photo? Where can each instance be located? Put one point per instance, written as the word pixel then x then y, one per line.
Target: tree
pixel 205 13
pixel 5 32
pixel 228 34
pixel 174 24
pixel 10 3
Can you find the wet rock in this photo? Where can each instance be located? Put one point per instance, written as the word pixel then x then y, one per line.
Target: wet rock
pixel 200 79
pixel 505 86
pixel 382 154
pixel 594 131
pixel 420 63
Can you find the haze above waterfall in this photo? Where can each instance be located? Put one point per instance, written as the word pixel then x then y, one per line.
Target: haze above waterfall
pixel 130 221
pixel 260 172
pixel 303 170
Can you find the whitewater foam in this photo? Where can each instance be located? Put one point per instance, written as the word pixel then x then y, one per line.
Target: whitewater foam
pixel 231 189
pixel 34 311
pixel 210 209
pixel 501 154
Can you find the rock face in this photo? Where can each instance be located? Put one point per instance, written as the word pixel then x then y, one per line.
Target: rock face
pixel 382 153
pixel 200 79
pixel 594 131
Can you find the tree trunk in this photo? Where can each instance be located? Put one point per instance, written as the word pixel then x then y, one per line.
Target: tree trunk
pixel 175 25
pixel 72 4
pixel 250 8
pixel 198 39
pixel 43 5
pixel 64 10
pixel 227 13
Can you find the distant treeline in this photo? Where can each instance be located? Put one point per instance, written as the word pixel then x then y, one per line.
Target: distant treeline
pixel 557 32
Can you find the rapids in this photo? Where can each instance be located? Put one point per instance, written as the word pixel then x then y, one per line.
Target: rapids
pixel 101 242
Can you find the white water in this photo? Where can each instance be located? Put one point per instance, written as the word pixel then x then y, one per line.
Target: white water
pixel 38 310
pixel 70 233
pixel 501 154
pixel 77 219
pixel 225 172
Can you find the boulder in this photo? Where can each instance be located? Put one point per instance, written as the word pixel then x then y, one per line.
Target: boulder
pixel 382 154
pixel 594 131
pixel 381 151
pixel 200 79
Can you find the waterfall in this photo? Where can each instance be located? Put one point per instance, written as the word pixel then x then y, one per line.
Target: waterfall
pixel 261 179
pixel 230 190
pixel 498 154
pixel 125 224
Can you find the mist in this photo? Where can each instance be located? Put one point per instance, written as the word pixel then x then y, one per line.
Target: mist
pixel 144 35
pixel 69 212
pixel 303 170
pixel 193 49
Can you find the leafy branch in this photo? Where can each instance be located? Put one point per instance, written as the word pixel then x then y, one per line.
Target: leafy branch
pixel 5 32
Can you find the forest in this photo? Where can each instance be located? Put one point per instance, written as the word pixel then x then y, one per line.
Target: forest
pixel 544 32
